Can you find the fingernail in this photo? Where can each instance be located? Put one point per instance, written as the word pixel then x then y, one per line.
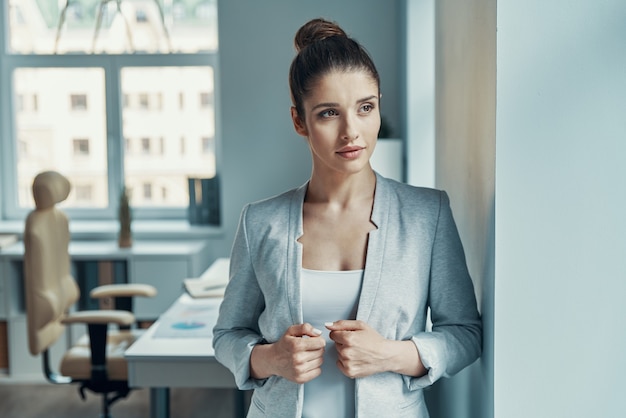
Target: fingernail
pixel 329 324
pixel 317 331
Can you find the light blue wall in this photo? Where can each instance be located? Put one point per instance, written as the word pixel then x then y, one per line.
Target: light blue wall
pixel 261 155
pixel 560 329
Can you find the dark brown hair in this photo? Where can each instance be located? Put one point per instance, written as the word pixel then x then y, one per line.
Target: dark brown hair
pixel 324 47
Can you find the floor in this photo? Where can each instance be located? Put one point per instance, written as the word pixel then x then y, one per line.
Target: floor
pixel 45 400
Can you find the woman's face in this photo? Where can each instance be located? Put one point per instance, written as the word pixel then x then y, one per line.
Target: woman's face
pixel 341 121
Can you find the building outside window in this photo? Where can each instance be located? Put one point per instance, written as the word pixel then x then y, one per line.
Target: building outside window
pixel 147 191
pixel 81 147
pixel 144 101
pixel 145 146
pixel 126 82
pixel 208 145
pixel 206 100
pixel 78 101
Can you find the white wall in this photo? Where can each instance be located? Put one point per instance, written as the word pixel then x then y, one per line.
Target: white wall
pixel 560 329
pixel 419 97
pixel 261 155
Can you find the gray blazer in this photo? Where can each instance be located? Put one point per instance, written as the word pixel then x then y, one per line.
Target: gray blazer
pixel 415 261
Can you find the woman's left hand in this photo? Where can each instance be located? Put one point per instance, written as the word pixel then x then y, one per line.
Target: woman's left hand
pixel 362 351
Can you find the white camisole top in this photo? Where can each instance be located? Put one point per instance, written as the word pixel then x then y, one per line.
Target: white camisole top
pixel 328 296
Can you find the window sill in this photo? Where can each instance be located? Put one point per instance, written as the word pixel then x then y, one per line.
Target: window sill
pixel 149 229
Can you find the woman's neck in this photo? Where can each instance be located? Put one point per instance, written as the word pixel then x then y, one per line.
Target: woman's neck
pixel 342 189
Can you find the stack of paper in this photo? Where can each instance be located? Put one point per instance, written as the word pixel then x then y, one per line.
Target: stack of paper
pixel 212 283
pixel 6 240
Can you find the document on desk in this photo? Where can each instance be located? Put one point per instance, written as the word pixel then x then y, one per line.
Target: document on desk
pixel 6 240
pixel 205 288
pixel 191 318
pixel 212 283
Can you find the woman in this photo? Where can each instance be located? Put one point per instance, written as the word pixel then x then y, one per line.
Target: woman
pixel 325 311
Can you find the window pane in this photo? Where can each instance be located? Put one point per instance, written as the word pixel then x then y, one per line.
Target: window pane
pixel 91 26
pixel 65 131
pixel 167 143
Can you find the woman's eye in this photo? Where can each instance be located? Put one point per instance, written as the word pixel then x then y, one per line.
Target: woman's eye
pixel 328 113
pixel 366 108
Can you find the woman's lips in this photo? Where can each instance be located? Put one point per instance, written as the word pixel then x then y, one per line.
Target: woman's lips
pixel 350 153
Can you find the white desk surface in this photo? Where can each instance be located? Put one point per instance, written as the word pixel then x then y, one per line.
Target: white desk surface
pixel 180 362
pixel 109 249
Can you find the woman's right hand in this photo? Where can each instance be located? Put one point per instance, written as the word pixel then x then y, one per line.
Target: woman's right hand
pixel 296 356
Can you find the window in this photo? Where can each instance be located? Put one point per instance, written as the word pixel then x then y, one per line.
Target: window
pixel 145 146
pixel 26 103
pixel 144 101
pixel 206 100
pixel 207 145
pixel 147 191
pixel 78 101
pixel 99 94
pixel 81 147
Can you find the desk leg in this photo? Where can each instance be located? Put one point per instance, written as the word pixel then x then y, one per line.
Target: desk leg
pixel 240 403
pixel 159 403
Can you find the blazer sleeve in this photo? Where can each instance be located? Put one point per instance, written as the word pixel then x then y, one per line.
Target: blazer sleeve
pixel 456 337
pixel 236 331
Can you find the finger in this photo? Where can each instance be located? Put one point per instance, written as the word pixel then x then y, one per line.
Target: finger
pixel 341 337
pixel 312 344
pixel 301 330
pixel 344 325
pixel 308 375
pixel 346 371
pixel 307 359
pixel 305 367
pixel 304 337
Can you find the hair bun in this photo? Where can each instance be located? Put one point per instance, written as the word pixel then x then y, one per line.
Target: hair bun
pixel 316 30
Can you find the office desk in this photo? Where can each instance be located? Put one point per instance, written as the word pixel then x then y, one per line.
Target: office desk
pixel 159 361
pixel 161 263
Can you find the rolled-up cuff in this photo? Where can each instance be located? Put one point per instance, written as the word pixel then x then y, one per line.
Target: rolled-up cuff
pixel 432 351
pixel 242 376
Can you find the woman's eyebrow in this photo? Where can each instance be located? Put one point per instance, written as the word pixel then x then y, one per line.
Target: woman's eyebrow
pixel 330 104
pixel 368 98
pixel 317 106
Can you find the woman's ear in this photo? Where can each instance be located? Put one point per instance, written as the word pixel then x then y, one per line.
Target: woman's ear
pixel 298 124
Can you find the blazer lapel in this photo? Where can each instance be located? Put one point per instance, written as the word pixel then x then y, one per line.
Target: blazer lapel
pixel 373 262
pixel 375 250
pixel 294 254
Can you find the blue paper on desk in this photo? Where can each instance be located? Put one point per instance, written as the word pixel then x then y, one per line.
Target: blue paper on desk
pixel 182 328
pixel 186 320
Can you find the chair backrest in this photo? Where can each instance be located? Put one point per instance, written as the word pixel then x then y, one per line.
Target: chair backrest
pixel 49 287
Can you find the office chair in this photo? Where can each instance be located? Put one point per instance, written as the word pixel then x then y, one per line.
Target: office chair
pixel 96 363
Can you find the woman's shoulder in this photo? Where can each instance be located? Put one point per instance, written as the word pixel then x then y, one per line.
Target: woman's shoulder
pixel 408 193
pixel 277 204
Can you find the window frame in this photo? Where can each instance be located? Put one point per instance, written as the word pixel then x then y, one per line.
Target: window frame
pixel 112 65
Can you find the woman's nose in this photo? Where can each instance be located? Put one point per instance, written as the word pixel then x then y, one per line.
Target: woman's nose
pixel 349 128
